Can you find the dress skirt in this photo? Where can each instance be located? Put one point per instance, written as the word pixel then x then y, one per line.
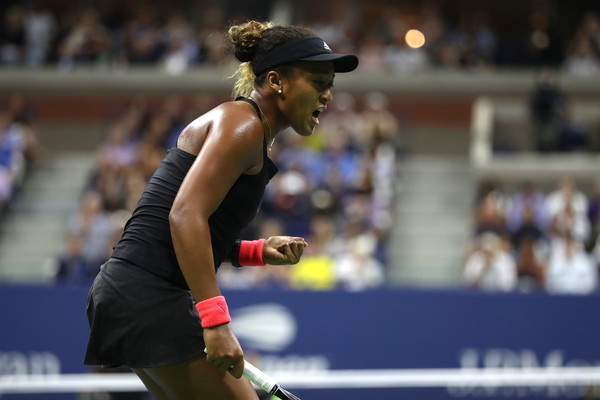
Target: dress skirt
pixel 140 320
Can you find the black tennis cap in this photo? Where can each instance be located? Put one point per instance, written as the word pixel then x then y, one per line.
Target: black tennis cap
pixel 306 49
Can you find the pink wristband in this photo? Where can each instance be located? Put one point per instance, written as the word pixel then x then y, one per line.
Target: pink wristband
pixel 250 254
pixel 213 311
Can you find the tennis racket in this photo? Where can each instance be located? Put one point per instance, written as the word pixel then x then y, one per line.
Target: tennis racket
pixel 265 382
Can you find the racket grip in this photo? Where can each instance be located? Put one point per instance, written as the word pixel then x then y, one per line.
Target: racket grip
pixel 259 378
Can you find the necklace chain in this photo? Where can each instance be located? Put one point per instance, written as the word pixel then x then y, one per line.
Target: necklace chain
pixel 268 126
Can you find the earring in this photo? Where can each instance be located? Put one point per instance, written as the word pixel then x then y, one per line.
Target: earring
pixel 279 91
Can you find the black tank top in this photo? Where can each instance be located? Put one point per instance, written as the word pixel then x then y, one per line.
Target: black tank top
pixel 146 240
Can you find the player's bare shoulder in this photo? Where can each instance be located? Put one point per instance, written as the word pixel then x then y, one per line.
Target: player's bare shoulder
pixel 233 121
pixel 240 120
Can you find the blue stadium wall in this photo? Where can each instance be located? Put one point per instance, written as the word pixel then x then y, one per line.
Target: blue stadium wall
pixel 43 329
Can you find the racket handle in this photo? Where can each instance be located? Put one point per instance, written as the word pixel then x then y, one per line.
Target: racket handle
pixel 259 378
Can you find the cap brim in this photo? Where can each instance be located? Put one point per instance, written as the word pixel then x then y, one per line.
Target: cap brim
pixel 341 62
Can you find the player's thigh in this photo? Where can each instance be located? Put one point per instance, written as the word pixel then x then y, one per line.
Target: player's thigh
pixel 152 386
pixel 196 379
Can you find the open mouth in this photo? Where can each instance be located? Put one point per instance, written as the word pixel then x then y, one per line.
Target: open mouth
pixel 316 113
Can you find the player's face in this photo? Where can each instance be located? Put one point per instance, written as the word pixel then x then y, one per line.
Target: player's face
pixel 307 95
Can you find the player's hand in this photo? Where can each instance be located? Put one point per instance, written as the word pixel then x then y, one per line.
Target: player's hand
pixel 283 250
pixel 223 350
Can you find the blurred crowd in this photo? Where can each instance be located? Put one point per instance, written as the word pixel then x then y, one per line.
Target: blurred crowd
pixel 334 189
pixel 532 239
pixel 19 147
pixel 145 33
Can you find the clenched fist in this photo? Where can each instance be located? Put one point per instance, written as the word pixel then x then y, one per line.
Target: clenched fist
pixel 283 250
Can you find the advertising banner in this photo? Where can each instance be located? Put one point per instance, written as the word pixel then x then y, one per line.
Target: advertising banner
pixel 43 330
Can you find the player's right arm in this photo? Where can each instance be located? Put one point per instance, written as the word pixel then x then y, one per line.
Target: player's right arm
pixel 229 143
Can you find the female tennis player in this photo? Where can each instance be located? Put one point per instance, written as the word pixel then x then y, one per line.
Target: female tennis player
pixel 156 304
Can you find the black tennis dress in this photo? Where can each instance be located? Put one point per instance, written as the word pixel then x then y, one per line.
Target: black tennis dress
pixel 140 310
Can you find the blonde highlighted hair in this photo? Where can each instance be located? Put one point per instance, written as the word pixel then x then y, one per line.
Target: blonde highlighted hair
pixel 245 39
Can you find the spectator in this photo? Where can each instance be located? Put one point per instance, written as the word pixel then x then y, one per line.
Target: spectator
pixel 567 221
pixel 21 114
pixel 339 158
pixel 371 51
pixel 581 58
pixel 315 271
pixel 92 232
pixel 490 214
pixel 342 116
pixel 433 25
pixel 530 251
pixel 531 197
pixel 548 112
pixel 376 124
pixel 398 56
pixel 173 108
pixel 378 133
pixel 72 266
pixel 482 41
pixel 292 201
pixel 40 32
pixel 567 207
pixel 95 228
pixel 20 110
pixel 141 37
pixel 528 227
pixel 593 212
pixel 87 42
pixel 570 269
pixel 491 267
pixel 590 28
pixel 181 48
pixel 531 267
pixel 574 135
pixel 119 150
pixel 565 193
pixel 209 35
pixel 12 36
pixel 356 268
pixel 12 159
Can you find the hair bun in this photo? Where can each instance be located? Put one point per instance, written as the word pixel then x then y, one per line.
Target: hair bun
pixel 245 38
pixel 244 54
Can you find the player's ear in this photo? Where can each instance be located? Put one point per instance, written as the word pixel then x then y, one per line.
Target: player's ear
pixel 274 81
